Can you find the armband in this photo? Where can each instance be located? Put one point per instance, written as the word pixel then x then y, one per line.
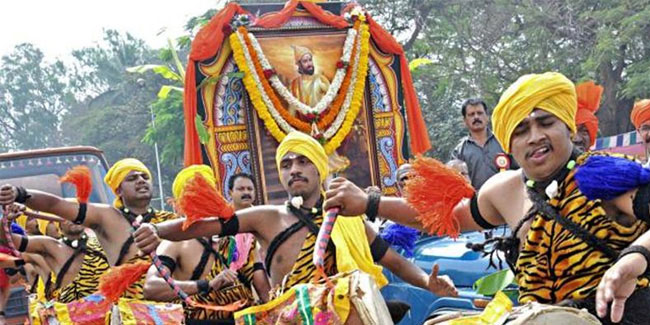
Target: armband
pixel 81 214
pixel 230 227
pixel 476 214
pixel 378 248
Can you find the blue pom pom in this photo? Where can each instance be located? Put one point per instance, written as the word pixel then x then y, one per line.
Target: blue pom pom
pixel 606 177
pixel 16 229
pixel 402 237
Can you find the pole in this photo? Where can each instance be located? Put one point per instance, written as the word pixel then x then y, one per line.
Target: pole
pixel 155 148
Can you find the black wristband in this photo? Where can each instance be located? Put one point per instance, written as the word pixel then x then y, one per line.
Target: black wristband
pixel 22 195
pixel 378 248
pixel 229 227
pixel 81 214
pixel 476 214
pixel 258 266
pixel 23 243
pixel 2 313
pixel 19 262
pixel 373 205
pixel 638 249
pixel 640 204
pixel 203 286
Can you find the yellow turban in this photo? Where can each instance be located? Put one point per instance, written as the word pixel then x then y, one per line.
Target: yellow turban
pixel 550 91
pixel 188 172
pixel 300 143
pixel 118 173
pixel 299 52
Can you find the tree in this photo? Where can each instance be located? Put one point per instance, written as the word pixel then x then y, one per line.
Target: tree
pixel 33 97
pixel 478 48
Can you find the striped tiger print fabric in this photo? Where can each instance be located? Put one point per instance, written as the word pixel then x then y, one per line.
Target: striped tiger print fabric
pixel 304 270
pixel 554 264
pixel 235 292
pixel 135 291
pixel 94 264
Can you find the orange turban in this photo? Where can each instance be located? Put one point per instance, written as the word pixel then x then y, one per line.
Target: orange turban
pixel 640 112
pixel 588 103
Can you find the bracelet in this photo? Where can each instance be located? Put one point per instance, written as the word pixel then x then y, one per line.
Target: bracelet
pixel 156 231
pixel 373 205
pixel 203 286
pixel 640 250
pixel 22 195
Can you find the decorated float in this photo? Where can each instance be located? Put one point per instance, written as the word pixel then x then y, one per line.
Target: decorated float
pixel 258 72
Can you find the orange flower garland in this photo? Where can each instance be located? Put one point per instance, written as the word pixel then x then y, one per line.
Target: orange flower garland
pixel 303 126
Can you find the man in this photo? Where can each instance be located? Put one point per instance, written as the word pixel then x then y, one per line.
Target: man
pixel 461 167
pixel 480 148
pixel 586 121
pixel 534 120
pixel 77 261
pixel 640 117
pixel 309 87
pixel 130 180
pixel 214 276
pixel 288 232
pixel 402 175
pixel 241 189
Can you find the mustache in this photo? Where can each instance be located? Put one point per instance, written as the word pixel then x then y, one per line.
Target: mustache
pixel 297 178
pixel 246 196
pixel 477 121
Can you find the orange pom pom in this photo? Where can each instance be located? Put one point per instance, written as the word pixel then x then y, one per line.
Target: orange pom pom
pixel 434 190
pixel 114 283
pixel 200 199
pixel 79 176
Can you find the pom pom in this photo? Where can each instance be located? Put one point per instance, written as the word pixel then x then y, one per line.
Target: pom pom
pixel 607 177
pixel 201 200
pixel 434 191
pixel 114 283
pixel 79 176
pixel 402 237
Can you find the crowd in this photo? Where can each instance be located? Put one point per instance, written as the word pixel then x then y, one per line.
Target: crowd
pixel 579 230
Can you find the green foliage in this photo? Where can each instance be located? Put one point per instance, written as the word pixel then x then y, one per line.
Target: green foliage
pixel 478 48
pixel 34 94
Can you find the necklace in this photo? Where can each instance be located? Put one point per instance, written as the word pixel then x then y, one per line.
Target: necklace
pixel 75 243
pixel 551 186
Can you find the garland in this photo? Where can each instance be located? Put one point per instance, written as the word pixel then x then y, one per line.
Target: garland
pixel 334 87
pixel 284 113
pixel 269 107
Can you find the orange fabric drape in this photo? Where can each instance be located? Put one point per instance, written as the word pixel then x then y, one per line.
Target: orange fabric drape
pixel 205 45
pixel 417 129
pixel 279 18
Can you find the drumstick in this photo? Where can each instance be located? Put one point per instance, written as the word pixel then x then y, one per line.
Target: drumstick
pixel 165 274
pixel 323 238
pixel 5 226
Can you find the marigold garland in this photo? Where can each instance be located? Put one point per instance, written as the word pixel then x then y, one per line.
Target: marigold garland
pixel 266 102
pixel 301 125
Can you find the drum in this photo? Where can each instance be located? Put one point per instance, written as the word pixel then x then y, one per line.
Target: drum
pixel 93 310
pixel 530 314
pixel 354 299
pixel 539 314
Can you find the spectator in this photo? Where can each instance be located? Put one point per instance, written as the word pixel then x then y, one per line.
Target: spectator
pixel 479 149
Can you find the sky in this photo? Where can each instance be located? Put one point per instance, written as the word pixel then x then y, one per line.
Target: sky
pixel 59 26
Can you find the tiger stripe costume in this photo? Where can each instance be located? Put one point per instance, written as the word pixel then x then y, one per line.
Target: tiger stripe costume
pixel 85 283
pixel 304 270
pixel 555 264
pixel 136 290
pixel 240 290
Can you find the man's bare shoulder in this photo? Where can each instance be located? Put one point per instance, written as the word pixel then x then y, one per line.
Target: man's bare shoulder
pixel 502 181
pixel 266 211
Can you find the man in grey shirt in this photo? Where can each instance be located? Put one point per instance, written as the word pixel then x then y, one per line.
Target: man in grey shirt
pixel 480 149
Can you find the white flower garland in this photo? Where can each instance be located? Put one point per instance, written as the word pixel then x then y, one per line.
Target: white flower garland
pixel 282 123
pixel 332 91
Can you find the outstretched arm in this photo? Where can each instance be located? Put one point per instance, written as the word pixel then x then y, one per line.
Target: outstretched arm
pixel 41 201
pixel 410 273
pixel 249 220
pixel 620 281
pixel 353 201
pixel 156 288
